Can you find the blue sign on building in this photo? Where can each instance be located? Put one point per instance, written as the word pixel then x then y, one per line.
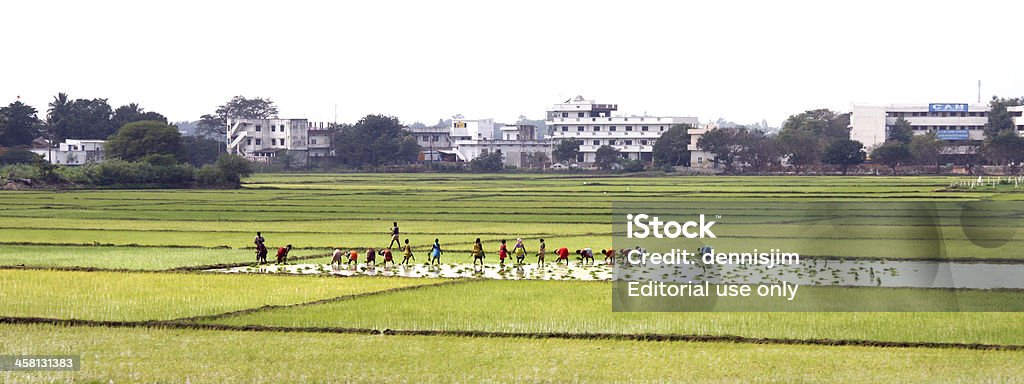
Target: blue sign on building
pixel 946 107
pixel 950 134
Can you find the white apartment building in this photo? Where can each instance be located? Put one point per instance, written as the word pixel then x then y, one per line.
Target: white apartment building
pixel 261 140
pixel 592 125
pixel 951 121
pixel 73 152
pixel 472 129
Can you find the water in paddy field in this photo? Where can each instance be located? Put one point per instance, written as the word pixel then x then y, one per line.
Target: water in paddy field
pixel 914 274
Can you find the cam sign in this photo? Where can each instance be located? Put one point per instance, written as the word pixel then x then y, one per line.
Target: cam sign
pixel 937 107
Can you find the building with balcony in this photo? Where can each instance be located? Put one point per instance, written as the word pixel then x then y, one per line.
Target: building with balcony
pixel 870 124
pixel 592 125
pixel 435 143
pixel 262 140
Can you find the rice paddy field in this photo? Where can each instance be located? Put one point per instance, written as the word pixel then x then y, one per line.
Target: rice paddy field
pixel 125 280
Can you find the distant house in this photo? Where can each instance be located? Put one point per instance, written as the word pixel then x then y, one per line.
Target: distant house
pixel 73 152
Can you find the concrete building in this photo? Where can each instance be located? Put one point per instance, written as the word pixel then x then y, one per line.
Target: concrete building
pixel 261 140
pixel 73 152
pixel 698 157
pixel 592 125
pixel 516 153
pixel 435 143
pixel 952 122
pixel 472 129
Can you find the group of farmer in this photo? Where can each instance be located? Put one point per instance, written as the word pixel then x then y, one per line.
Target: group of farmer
pixel 434 257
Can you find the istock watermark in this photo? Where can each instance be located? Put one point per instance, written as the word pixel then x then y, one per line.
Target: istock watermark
pixel 817 256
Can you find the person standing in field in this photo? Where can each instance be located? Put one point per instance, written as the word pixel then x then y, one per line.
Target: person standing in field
pixel 478 252
pixel 435 253
pixel 563 254
pixel 520 251
pixel 408 253
pixel 353 257
pixel 371 257
pixel 540 254
pixel 336 256
pixel 394 235
pixel 502 253
pixel 261 248
pixel 386 253
pixel 282 254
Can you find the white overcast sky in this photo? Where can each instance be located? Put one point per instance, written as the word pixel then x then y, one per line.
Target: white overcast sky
pixel 423 60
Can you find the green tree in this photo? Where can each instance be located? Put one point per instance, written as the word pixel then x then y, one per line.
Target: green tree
pixel 844 153
pixel 538 159
pixel 79 119
pixel 133 112
pixel 18 124
pixel 925 149
pixel 999 118
pixel 137 140
pixel 374 140
pixel 1003 148
pixel 566 150
pixel 408 150
pixel 804 136
pixel 17 156
pixel 491 162
pixel 199 150
pixel 671 147
pixel 892 154
pixel 901 131
pixel 724 144
pixel 607 157
pixel 757 150
pixel 239 107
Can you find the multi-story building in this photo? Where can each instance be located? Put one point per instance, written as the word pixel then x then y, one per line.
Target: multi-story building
pixel 472 129
pixel 592 125
pixel 870 124
pixel 435 143
pixel 73 152
pixel 264 139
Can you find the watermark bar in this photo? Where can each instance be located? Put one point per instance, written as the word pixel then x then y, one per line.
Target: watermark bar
pixel 40 362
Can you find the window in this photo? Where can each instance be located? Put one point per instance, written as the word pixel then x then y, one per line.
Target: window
pixel 565 128
pixel 579 128
pixel 579 114
pixel 565 114
pixel 434 138
pixel 643 142
pixel 312 141
pixel 629 142
pixel 629 128
pixel 580 142
pixel 661 128
pixel 597 128
pixel 597 142
pixel 611 128
pixel 643 128
pixel 248 141
pixel 259 142
pixel 258 128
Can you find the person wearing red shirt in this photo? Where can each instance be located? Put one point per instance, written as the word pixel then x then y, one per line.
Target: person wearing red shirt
pixel 563 254
pixel 502 253
pixel 282 254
